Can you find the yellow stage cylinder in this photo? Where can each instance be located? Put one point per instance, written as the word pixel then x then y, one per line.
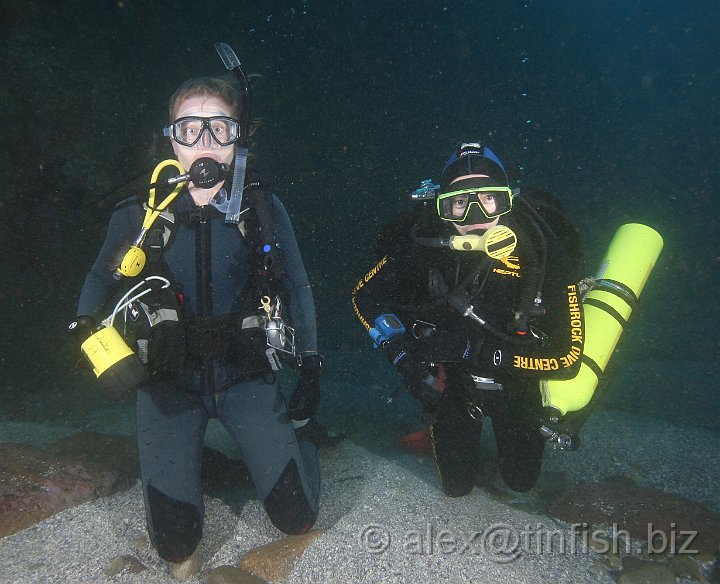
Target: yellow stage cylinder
pixel 105 348
pixel 620 279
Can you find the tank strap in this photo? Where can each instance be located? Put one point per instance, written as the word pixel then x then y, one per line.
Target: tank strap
pixel 605 307
pixel 618 289
pixel 594 367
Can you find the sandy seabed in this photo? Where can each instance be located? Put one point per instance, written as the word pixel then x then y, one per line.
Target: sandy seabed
pixel 384 519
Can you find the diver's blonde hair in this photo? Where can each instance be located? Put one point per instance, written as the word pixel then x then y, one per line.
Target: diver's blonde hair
pixel 220 87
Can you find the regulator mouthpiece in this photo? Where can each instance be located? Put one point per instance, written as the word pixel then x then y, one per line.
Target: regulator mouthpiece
pixel 497 242
pixel 205 173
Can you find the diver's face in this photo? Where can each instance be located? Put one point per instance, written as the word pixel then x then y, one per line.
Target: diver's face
pixel 487 201
pixel 203 106
pixel 466 229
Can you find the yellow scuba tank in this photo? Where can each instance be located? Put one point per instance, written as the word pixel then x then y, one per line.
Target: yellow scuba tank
pixel 607 306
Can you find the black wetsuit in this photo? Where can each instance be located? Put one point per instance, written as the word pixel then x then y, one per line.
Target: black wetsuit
pixel 410 281
pixel 209 264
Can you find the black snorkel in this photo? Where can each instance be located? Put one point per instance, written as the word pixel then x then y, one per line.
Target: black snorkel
pixel 232 63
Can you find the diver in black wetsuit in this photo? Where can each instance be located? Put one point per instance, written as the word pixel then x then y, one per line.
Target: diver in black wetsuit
pixel 472 335
pixel 215 365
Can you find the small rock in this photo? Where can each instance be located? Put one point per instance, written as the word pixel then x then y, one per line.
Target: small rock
pixel 703 548
pixel 686 567
pixel 116 452
pixel 183 570
pixel 35 485
pixel 274 561
pixel 645 513
pixel 140 543
pixel 647 573
pixel 602 544
pixel 232 575
pixel 632 563
pixel 121 563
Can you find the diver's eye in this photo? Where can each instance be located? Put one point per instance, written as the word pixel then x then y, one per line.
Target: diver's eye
pixel 460 202
pixel 220 129
pixel 188 131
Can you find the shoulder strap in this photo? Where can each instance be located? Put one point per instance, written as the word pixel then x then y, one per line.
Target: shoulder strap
pixel 259 231
pixel 159 236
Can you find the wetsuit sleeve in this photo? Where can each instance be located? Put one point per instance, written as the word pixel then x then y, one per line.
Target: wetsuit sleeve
pixel 378 291
pixel 556 348
pixel 100 285
pixel 295 280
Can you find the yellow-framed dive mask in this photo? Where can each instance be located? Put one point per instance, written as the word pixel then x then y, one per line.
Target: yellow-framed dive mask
pixel 457 206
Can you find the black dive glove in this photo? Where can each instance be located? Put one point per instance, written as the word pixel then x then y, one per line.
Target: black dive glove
pixel 412 354
pixel 80 330
pixel 306 397
pixel 409 357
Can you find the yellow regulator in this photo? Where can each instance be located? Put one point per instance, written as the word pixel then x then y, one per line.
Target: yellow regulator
pixel 607 306
pixel 134 260
pixel 497 242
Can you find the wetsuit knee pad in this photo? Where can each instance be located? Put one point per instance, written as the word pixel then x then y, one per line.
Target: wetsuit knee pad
pixel 456 459
pixel 454 487
pixel 287 505
pixel 520 468
pixel 519 479
pixel 175 527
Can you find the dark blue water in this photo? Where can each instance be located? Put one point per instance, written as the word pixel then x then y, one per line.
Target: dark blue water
pixel 613 105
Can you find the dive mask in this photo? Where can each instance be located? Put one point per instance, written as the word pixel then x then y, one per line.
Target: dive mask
pixel 188 130
pixel 457 206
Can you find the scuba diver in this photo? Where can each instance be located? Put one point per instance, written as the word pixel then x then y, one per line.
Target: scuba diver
pixel 475 300
pixel 208 323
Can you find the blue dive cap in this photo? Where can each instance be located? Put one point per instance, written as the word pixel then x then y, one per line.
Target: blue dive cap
pixel 473 158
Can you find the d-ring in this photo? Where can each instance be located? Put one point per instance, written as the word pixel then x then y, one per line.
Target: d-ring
pixel 475 412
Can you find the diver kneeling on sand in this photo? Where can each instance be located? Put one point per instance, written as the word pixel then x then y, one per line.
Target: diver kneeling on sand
pixel 205 273
pixel 477 302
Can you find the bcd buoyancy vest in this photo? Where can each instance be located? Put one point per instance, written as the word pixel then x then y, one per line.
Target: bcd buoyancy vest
pixel 536 220
pixel 167 338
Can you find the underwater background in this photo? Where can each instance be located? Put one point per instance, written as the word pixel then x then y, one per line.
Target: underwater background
pixel 612 105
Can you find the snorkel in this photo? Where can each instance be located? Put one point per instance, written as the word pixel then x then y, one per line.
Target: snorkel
pixel 234 203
